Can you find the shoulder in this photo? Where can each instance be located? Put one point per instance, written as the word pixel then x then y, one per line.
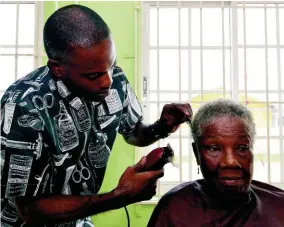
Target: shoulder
pixel 120 81
pixel 267 191
pixel 183 192
pixel 118 74
pixel 21 91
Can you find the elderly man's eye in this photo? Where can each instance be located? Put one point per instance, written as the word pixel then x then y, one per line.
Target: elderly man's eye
pixel 243 148
pixel 213 150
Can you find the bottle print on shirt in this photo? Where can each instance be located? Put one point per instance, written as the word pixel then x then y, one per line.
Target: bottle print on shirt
pixel 82 118
pixel 66 132
pixel 98 150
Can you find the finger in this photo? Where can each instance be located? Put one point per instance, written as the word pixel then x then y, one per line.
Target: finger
pixel 185 112
pixel 186 109
pixel 151 176
pixel 182 109
pixel 187 106
pixel 152 190
pixel 156 174
pixel 149 192
pixel 140 165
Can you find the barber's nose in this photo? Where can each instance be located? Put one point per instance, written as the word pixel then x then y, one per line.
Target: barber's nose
pixel 229 159
pixel 106 80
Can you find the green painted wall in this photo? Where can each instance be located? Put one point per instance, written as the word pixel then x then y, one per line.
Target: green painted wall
pixel 120 18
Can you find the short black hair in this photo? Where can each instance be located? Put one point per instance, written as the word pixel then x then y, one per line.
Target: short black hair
pixel 70 27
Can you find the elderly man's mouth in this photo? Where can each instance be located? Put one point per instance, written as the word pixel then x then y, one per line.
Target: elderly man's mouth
pixel 231 181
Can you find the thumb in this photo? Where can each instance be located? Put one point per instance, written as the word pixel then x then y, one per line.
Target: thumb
pixel 154 175
pixel 140 165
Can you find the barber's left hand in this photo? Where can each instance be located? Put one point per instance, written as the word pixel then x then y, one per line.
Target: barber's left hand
pixel 175 114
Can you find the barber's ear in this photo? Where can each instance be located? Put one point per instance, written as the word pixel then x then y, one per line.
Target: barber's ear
pixel 196 152
pixel 56 68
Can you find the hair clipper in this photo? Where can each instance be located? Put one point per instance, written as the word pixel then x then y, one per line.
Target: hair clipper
pixel 158 157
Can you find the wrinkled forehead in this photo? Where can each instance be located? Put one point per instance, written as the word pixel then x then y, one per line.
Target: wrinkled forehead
pixel 225 127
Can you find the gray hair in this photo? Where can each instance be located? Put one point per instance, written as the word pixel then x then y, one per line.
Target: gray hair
pixel 221 108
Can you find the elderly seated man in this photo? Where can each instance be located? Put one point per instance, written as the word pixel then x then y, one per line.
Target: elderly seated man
pixel 223 133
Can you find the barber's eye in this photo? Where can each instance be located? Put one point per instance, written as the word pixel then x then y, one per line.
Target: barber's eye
pixel 93 76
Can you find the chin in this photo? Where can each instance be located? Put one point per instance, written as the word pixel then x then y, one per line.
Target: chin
pixel 234 189
pixel 95 97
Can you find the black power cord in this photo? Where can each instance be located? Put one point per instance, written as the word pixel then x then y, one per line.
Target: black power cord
pixel 127 215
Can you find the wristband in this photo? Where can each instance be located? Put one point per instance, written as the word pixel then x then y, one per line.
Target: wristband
pixel 159 131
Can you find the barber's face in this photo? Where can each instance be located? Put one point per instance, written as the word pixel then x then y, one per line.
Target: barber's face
pixel 89 71
pixel 226 157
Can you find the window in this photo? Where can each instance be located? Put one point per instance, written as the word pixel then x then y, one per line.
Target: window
pixel 200 51
pixel 20 26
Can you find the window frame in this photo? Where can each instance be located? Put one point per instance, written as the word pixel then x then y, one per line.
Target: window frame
pixel 144 77
pixel 38 37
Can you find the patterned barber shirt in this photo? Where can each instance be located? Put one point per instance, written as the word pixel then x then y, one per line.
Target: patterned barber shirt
pixel 53 142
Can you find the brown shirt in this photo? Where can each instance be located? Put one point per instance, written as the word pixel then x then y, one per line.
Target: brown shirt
pixel 191 204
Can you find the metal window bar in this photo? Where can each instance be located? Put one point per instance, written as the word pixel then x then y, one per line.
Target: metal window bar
pixel 214 91
pixel 179 75
pixel 137 13
pixel 201 50
pixel 223 51
pixel 38 33
pixel 257 137
pixel 214 47
pixel 280 95
pixel 17 41
pixel 230 43
pixel 189 88
pixel 235 60
pixel 200 102
pixel 267 98
pixel 37 46
pixel 245 54
pixel 158 77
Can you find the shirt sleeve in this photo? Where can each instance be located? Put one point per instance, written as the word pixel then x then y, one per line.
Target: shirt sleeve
pixel 132 111
pixel 20 147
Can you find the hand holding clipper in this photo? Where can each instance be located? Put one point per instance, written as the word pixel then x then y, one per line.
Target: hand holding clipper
pixel 158 157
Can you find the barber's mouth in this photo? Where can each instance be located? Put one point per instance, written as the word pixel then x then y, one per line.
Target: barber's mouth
pixel 231 181
pixel 103 93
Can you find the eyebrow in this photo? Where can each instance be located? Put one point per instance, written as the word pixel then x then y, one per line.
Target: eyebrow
pixel 92 73
pixel 99 73
pixel 214 137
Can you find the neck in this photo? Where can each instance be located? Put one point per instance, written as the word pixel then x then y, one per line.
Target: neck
pixel 229 198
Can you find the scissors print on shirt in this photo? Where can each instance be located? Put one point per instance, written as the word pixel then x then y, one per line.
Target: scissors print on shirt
pixel 83 173
pixel 44 103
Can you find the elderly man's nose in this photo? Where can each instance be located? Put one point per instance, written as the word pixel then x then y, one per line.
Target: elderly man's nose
pixel 229 159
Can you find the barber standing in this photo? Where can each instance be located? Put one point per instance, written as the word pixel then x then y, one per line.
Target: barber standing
pixel 59 123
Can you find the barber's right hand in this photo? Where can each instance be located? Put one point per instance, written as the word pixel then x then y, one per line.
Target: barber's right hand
pixel 136 185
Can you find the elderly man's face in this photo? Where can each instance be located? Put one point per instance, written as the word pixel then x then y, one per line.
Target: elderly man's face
pixel 89 71
pixel 226 157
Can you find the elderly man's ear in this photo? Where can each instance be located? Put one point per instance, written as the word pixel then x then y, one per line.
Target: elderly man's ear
pixel 196 152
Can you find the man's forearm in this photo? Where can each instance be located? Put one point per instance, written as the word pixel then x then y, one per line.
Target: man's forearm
pixel 146 134
pixel 65 208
